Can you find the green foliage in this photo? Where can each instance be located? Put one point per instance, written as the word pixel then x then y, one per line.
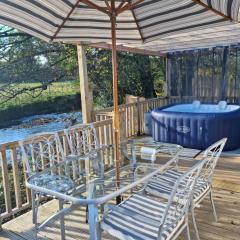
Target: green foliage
pixel 158 68
pixel 28 66
pixel 137 75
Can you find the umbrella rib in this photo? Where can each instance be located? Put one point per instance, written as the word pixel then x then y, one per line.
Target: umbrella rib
pixel 120 5
pixel 138 27
pixel 213 10
pixel 64 20
pixel 108 5
pixel 86 2
pixel 95 6
pixel 129 6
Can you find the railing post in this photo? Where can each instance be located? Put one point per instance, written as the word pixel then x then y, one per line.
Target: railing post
pixel 86 96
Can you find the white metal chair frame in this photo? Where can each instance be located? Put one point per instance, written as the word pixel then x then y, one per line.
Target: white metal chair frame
pixel 83 141
pixel 209 159
pixel 176 208
pixel 39 152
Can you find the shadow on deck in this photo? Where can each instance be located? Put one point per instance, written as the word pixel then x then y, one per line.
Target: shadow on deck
pixel 227 200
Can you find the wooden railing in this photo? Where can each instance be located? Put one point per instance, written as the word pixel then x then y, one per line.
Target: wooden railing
pixel 12 178
pixel 132 115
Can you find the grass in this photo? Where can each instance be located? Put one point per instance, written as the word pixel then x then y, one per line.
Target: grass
pixel 58 97
pixel 58 89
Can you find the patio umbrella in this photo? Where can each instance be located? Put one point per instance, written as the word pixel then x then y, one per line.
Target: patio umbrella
pixel 135 23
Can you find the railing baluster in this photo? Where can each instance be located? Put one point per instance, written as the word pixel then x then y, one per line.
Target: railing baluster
pixel 132 120
pixel 16 178
pixel 5 177
pixel 101 136
pixel 28 191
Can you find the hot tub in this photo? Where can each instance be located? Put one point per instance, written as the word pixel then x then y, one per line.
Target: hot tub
pixel 197 126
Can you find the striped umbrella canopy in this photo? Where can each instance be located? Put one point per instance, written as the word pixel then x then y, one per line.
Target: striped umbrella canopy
pixel 130 22
pixel 137 20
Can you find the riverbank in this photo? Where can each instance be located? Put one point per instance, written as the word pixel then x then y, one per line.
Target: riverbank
pixel 61 104
pixel 39 123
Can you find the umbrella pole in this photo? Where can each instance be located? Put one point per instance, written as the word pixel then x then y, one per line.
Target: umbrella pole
pixel 115 99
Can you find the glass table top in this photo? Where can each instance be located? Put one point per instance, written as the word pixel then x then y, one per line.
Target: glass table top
pixel 97 186
pixel 70 181
pixel 168 148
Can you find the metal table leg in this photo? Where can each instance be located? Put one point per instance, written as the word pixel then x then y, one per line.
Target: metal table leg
pixel 94 226
pixel 62 223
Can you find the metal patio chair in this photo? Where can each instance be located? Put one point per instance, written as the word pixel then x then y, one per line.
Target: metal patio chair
pixel 162 184
pixel 143 217
pixel 82 141
pixel 40 152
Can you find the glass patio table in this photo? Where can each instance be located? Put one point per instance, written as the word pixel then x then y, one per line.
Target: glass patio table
pixel 168 149
pixel 66 182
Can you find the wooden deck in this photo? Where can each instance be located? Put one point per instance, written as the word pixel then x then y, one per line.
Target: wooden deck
pixel 227 200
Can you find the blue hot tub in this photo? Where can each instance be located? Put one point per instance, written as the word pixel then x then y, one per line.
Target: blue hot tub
pixel 197 126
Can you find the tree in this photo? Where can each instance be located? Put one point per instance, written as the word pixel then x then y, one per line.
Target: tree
pixel 26 59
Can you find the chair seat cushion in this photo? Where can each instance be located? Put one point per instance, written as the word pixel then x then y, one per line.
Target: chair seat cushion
pixel 140 217
pixel 162 183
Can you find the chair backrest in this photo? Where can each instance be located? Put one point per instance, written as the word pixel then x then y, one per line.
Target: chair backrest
pixel 180 199
pixel 82 139
pixel 210 158
pixel 41 151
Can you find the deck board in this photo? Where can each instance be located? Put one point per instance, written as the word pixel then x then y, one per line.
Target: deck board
pixel 227 199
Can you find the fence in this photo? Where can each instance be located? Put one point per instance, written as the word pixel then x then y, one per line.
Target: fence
pixel 131 115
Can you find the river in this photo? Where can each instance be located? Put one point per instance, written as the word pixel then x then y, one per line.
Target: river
pixel 38 124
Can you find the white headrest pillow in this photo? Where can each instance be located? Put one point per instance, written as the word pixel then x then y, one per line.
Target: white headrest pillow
pixel 196 104
pixel 222 105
